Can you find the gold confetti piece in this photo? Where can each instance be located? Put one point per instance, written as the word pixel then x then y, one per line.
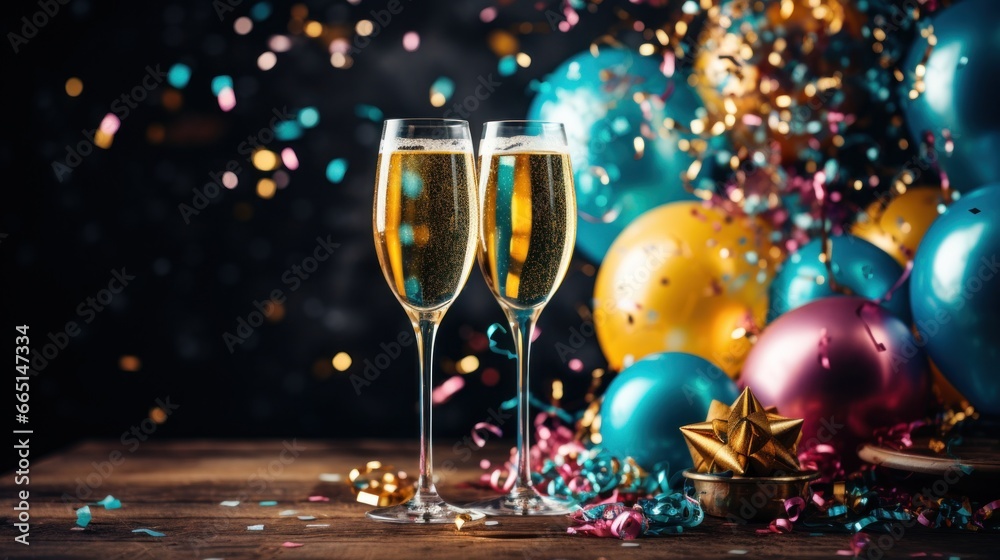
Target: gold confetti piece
pixel 368 498
pixel 461 519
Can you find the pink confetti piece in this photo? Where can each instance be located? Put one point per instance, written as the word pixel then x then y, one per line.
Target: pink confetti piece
pixel 444 391
pixel 411 41
pixel 318 499
pixel 479 440
pixel 110 124
pixel 290 544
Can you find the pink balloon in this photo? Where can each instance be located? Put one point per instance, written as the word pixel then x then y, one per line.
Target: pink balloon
pixel 844 365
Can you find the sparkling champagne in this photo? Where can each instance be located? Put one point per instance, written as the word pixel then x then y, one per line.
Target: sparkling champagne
pixel 528 225
pixel 425 224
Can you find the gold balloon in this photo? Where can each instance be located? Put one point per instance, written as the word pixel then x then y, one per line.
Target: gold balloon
pixel 687 278
pixel 898 227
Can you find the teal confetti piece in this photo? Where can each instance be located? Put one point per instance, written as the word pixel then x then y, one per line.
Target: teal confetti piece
pixel 287 130
pixel 444 86
pixel 220 83
pixel 507 65
pixel 336 170
pixel 83 516
pixel 493 344
pixel 179 75
pixel 269 503
pixel 308 117
pixel 260 11
pixel 149 532
pixel 109 502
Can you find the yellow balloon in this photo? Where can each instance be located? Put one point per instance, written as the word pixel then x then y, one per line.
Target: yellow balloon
pixel 898 227
pixel 686 278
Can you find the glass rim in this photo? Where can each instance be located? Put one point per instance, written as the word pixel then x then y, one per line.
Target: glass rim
pixel 427 121
pixel 525 122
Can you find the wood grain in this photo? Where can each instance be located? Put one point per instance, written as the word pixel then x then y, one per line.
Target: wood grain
pixel 175 487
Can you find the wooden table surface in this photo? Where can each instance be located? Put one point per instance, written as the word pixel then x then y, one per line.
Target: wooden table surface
pixel 175 487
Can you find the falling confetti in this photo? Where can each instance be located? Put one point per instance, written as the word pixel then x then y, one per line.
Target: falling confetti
pixel 179 75
pixel 443 392
pixel 336 170
pixel 441 91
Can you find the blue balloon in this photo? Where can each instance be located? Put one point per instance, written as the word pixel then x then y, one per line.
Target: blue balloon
pixel 959 96
pixel 595 97
pixel 955 295
pixel 645 406
pixel 858 265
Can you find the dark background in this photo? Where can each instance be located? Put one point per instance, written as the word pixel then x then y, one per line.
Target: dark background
pixel 119 208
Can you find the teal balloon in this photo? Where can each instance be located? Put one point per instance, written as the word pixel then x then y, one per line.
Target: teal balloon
pixel 961 85
pixel 647 403
pixel 595 98
pixel 955 295
pixel 858 265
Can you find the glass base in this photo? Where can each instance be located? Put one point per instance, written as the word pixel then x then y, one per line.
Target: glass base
pixel 522 502
pixel 421 510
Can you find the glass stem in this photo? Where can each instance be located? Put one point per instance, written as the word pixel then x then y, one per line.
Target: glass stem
pixel 425 326
pixel 523 326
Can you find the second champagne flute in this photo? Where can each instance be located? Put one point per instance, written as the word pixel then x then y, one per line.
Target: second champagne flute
pixel 527 231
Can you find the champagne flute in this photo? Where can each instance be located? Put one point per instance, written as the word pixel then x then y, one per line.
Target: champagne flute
pixel 526 238
pixel 425 225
